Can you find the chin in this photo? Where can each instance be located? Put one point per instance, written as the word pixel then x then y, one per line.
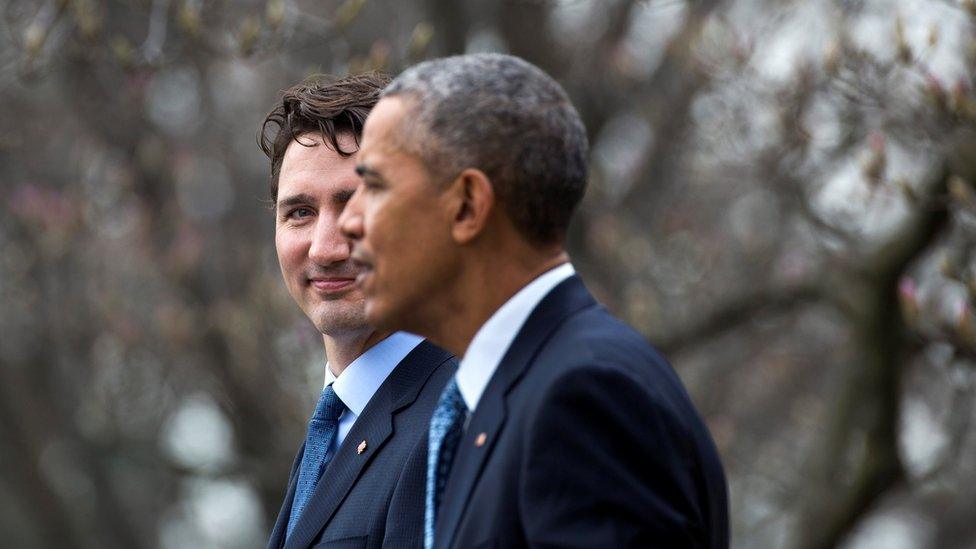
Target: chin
pixel 335 322
pixel 393 320
pixel 379 318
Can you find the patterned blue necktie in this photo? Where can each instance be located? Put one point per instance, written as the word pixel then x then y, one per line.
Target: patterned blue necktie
pixel 446 427
pixel 321 430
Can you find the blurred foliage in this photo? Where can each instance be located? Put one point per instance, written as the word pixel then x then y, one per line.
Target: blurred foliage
pixel 781 198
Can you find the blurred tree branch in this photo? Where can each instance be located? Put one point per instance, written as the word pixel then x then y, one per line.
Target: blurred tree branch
pixel 747 308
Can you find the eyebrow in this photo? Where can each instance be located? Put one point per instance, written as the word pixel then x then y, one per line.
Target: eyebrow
pixel 363 171
pixel 343 196
pixel 295 199
pixel 338 197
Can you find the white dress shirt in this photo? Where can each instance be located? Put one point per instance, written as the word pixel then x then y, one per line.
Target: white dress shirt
pixel 495 336
pixel 360 380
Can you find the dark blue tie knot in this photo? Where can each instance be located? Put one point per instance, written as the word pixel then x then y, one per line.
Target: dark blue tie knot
pixel 451 402
pixel 329 406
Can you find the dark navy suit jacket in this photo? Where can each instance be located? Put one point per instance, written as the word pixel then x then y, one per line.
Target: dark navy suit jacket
pixel 584 437
pixel 376 498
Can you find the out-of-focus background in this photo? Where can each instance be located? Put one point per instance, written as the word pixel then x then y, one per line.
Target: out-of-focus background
pixel 782 198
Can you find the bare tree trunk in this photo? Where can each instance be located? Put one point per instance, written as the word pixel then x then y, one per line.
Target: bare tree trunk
pixel 862 431
pixel 451 25
pixel 23 440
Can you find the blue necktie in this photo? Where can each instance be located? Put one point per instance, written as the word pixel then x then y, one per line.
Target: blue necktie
pixel 446 427
pixel 321 430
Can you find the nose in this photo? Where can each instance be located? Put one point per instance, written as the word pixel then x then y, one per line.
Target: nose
pixel 328 245
pixel 351 219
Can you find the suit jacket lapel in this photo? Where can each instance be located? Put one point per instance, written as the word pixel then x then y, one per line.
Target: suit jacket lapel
pixel 375 426
pixel 565 299
pixel 281 524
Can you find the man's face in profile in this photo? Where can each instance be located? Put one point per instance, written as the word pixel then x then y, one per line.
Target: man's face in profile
pixel 401 224
pixel 314 185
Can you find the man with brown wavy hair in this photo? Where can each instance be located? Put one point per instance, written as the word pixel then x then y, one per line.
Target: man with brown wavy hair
pixel 359 477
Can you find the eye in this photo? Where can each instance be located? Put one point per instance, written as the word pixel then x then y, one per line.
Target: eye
pixel 299 213
pixel 371 185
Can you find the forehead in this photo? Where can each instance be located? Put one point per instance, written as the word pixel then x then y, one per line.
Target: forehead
pixel 382 129
pixel 317 164
pixel 299 151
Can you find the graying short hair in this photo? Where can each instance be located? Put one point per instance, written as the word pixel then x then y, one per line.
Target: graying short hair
pixel 507 118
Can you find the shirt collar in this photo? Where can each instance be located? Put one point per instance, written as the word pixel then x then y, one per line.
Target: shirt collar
pixel 360 380
pixel 495 336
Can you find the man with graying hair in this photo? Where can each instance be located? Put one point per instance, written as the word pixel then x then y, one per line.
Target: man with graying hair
pixel 562 426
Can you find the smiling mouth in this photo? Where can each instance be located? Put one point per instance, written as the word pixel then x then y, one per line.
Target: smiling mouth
pixel 329 285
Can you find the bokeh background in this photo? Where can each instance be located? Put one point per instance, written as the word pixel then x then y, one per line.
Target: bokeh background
pixel 781 198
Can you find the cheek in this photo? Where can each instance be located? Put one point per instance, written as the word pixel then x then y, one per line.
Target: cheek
pixel 424 249
pixel 381 227
pixel 290 250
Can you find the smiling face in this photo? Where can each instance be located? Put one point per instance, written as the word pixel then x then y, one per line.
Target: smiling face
pixel 314 185
pixel 401 226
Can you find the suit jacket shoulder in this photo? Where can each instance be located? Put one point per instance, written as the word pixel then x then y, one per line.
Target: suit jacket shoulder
pixel 592 442
pixel 593 347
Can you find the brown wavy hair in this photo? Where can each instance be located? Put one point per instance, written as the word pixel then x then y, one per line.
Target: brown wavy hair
pixel 323 105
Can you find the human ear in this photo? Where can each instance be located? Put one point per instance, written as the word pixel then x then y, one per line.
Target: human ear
pixel 472 196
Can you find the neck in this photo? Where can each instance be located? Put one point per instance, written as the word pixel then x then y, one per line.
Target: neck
pixel 342 349
pixel 482 290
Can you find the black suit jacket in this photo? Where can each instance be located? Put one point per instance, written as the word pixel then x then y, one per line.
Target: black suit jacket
pixel 375 498
pixel 584 437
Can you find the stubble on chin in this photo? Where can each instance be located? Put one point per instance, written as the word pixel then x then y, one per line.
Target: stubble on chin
pixel 340 320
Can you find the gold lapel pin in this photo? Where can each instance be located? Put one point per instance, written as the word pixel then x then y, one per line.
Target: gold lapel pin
pixel 480 441
pixel 361 448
